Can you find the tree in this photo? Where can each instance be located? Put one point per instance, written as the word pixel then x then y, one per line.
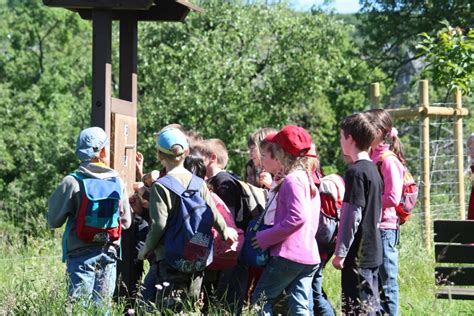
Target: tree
pixel 392 45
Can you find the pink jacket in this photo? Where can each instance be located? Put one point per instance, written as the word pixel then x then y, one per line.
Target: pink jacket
pixel 296 222
pixel 392 173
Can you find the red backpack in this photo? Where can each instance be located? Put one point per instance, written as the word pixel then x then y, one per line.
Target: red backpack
pixel 225 252
pixel 98 218
pixel 409 191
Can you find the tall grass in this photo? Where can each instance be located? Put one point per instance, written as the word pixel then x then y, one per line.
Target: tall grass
pixel 32 278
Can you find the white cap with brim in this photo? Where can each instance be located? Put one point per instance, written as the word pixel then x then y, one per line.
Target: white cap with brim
pixel 89 143
pixel 169 138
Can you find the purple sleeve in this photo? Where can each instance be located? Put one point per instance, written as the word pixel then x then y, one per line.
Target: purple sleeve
pixel 392 172
pixel 291 201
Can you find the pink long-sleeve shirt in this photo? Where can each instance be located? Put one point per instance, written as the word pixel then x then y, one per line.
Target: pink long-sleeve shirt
pixel 296 222
pixel 392 171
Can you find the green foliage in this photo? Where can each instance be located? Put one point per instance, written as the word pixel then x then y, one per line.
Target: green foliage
pixel 391 46
pixel 450 55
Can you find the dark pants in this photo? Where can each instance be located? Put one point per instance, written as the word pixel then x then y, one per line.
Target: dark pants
pixel 176 288
pixel 360 291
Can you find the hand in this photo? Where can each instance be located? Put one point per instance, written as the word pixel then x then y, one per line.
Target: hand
pixel 265 179
pixel 142 253
pixel 139 164
pixel 136 204
pixel 255 244
pixel 338 262
pixel 232 234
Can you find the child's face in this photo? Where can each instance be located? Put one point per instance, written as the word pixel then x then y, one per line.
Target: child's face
pixel 378 139
pixel 345 143
pixel 269 163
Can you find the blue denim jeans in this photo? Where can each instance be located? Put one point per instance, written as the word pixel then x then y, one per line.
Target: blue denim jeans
pixel 92 276
pixel 149 284
pixel 319 304
pixel 388 271
pixel 280 275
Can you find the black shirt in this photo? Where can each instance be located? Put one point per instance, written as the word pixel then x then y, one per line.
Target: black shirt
pixel 364 188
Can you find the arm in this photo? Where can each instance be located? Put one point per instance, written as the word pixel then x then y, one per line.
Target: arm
pixel 219 222
pixel 294 195
pixel 126 215
pixel 160 207
pixel 392 172
pixel 351 216
pixel 63 202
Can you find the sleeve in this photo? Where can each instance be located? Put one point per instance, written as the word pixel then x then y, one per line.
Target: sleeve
pixel 126 216
pixel 392 171
pixel 351 216
pixel 293 195
pixel 226 188
pixel 63 202
pixel 355 191
pixel 160 207
pixel 219 222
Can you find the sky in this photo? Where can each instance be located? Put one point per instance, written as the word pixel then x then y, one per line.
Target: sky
pixel 340 6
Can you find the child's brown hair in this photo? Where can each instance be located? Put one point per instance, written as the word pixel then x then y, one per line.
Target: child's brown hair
pixel 363 132
pixel 214 146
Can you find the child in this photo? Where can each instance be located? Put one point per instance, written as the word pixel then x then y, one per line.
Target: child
pixel 172 150
pixel 292 246
pixel 392 171
pixel 470 146
pixel 358 248
pixel 91 266
pixel 255 174
pixel 233 282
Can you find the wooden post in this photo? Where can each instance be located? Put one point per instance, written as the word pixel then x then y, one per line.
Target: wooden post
pixel 425 143
pixel 101 68
pixel 458 144
pixel 375 95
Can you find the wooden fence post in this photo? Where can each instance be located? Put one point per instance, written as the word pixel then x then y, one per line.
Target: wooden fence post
pixel 459 145
pixel 375 95
pixel 425 143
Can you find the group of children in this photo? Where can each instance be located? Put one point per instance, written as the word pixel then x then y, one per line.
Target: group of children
pixel 286 164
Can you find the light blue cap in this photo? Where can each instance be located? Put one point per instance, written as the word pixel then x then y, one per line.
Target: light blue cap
pixel 170 137
pixel 90 141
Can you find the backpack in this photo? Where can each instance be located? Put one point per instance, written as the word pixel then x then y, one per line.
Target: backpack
pixel 188 236
pixel 331 192
pixel 226 252
pixel 253 202
pixel 409 191
pixel 98 218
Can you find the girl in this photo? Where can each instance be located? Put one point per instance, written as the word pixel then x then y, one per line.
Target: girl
pixel 391 168
pixel 294 255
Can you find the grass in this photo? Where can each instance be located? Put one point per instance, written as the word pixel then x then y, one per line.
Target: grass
pixel 32 277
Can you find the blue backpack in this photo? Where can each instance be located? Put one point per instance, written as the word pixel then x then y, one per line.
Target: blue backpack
pixel 188 236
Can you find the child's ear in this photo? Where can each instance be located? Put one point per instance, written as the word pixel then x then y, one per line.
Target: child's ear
pixel 103 153
pixel 213 158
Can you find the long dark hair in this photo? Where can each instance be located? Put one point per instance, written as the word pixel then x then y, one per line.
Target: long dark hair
pixel 382 120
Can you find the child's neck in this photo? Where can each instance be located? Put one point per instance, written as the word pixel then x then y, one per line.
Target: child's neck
pixel 170 166
pixel 214 170
pixel 360 155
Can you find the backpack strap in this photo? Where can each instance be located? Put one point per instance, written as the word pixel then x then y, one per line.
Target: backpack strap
pixel 175 186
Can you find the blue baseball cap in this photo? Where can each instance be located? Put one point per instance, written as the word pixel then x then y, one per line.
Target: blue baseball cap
pixel 170 137
pixel 90 142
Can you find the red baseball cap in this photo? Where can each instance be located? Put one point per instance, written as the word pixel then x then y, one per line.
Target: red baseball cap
pixel 294 140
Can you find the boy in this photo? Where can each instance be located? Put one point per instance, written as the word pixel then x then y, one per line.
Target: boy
pixel 358 249
pixel 172 151
pixel 91 266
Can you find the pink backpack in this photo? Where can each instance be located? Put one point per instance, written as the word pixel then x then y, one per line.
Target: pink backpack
pixel 225 252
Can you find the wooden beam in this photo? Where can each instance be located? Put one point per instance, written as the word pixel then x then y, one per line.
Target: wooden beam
pixel 101 69
pixel 455 293
pixel 123 107
pixel 425 173
pixel 454 253
pixel 454 275
pixel 454 231
pixel 459 148
pixel 375 95
pixel 128 59
pixel 100 4
pixel 430 111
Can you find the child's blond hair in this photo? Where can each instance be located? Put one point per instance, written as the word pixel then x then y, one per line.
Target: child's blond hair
pixel 214 146
pixel 291 163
